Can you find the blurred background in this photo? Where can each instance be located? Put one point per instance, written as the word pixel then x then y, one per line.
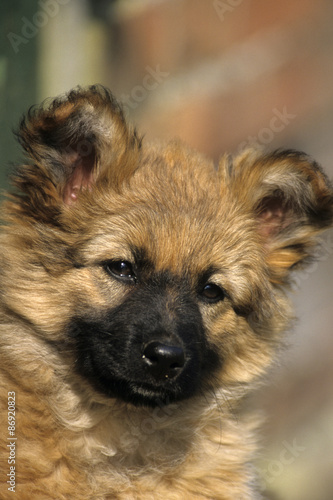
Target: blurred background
pixel 222 75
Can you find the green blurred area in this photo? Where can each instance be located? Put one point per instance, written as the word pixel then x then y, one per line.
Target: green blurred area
pixel 18 60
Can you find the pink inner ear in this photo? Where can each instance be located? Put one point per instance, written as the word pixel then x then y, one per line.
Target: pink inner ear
pixel 274 215
pixel 80 179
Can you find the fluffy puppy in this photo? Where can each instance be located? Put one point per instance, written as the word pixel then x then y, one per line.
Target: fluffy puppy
pixel 143 294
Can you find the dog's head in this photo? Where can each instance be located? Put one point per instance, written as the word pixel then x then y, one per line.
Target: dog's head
pixel 150 271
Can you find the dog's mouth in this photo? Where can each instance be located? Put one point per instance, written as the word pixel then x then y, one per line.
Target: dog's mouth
pixel 143 394
pixel 145 382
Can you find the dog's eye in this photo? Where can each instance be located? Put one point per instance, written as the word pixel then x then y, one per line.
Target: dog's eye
pixel 212 293
pixel 120 269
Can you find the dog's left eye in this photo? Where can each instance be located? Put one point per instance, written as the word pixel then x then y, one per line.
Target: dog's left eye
pixel 120 269
pixel 212 293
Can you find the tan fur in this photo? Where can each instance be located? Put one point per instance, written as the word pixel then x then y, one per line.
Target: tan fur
pixel 90 192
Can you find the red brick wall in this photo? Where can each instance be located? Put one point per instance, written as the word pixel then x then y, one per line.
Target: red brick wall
pixel 224 68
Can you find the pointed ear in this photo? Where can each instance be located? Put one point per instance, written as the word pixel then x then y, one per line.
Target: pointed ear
pixel 292 201
pixel 70 144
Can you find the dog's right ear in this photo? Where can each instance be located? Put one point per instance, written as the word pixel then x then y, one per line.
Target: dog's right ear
pixel 71 143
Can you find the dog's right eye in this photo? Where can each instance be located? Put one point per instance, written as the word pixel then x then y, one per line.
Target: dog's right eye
pixel 120 269
pixel 212 293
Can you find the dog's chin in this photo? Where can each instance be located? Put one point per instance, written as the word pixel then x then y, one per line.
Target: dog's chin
pixel 142 394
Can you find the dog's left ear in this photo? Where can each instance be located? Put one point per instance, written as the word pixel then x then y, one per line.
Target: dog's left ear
pixel 292 201
pixel 71 142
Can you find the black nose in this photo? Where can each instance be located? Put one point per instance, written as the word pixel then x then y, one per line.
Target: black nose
pixel 163 360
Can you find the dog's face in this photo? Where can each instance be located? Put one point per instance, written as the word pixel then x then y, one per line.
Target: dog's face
pixel 152 273
pixel 174 279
